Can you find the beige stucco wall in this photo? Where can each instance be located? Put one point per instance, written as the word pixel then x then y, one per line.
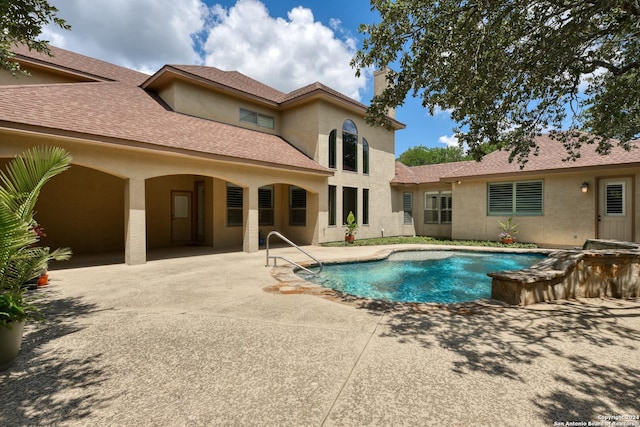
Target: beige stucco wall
pixel 189 98
pixel 383 211
pixel 570 216
pixel 300 126
pixel 419 227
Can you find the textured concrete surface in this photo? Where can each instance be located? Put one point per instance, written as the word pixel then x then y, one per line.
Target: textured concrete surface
pixel 198 342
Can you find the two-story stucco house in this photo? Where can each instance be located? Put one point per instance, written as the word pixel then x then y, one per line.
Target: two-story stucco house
pixel 195 155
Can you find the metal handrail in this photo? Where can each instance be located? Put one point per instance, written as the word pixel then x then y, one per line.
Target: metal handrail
pixel 284 239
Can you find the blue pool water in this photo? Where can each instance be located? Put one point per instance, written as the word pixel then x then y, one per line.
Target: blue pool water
pixel 422 276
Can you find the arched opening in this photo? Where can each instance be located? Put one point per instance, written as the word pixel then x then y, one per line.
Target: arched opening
pixel 83 209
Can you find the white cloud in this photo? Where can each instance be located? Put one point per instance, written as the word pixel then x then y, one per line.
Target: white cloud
pixel 586 79
pixel 449 141
pixel 284 53
pixel 140 34
pixel 438 111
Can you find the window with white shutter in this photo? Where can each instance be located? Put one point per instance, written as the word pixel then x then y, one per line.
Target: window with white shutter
pixel 515 198
pixel 407 207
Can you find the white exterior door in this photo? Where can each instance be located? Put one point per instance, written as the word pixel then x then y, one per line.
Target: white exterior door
pixel 615 210
pixel 181 216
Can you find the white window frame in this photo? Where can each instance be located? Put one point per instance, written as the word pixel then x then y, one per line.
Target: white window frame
pixel 256 118
pixel 622 198
pixel 439 209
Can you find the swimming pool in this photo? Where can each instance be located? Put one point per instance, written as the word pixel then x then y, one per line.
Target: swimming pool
pixel 422 276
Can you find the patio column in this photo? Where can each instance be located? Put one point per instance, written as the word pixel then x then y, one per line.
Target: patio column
pixel 135 250
pixel 250 241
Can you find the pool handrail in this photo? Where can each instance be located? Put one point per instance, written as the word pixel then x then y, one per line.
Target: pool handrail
pixel 275 257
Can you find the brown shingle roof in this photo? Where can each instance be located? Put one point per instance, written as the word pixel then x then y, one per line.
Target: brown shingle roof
pixel 497 163
pixel 125 112
pixel 319 87
pixel 549 159
pixel 233 80
pixel 425 174
pixel 65 60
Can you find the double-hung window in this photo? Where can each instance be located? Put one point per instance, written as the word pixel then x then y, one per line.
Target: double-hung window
pixel 437 207
pixel 515 198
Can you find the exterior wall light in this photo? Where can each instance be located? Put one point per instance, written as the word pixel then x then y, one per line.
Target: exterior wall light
pixel 585 187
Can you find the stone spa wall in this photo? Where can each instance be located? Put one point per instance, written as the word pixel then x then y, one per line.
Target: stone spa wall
pixel 602 268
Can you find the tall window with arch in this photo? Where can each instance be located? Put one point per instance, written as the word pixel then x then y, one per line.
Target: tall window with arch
pixel 349 146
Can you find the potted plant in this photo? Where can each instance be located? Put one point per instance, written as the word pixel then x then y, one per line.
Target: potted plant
pixel 20 259
pixel 351 228
pixel 509 230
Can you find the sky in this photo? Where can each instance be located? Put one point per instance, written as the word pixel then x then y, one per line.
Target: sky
pixel 285 44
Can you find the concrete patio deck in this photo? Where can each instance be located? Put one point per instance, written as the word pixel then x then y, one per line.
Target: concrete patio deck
pixel 196 341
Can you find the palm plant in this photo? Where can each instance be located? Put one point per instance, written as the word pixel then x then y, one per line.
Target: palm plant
pixel 20 260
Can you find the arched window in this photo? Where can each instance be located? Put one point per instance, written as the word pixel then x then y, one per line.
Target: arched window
pixel 365 156
pixel 333 148
pixel 349 146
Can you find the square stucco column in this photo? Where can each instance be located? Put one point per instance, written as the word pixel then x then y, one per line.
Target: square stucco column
pixel 250 240
pixel 135 250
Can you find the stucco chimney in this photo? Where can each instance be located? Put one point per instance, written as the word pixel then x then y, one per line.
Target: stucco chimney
pixel 379 84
